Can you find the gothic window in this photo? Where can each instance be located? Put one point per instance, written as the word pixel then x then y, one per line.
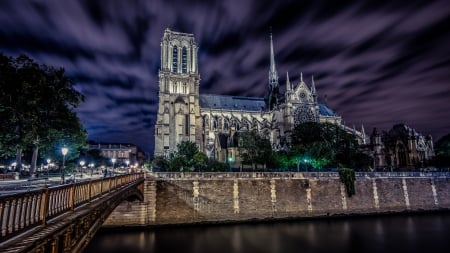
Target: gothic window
pixel 215 123
pixel 245 124
pixel 184 88
pixel 186 123
pixel 303 114
pixel 236 125
pixel 225 124
pixel 175 59
pixel 219 123
pixel 184 60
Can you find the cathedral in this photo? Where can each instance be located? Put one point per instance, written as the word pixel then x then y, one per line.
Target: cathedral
pixel 402 147
pixel 212 121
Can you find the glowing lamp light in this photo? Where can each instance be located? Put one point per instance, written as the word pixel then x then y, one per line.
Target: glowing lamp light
pixel 64 150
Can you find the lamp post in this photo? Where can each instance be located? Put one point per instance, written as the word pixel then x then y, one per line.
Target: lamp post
pixel 64 152
pixel 113 162
pixel 48 165
pixel 91 166
pixel 127 162
pixel 82 162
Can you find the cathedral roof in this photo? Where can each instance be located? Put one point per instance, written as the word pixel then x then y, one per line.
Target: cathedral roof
pixel 231 102
pixel 326 111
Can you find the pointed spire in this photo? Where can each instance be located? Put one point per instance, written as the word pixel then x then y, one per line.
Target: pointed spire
pixel 363 133
pixel 301 77
pixel 313 86
pixel 288 82
pixel 273 75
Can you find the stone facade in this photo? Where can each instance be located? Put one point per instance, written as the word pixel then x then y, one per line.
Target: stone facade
pixel 211 121
pixel 400 148
pixel 231 197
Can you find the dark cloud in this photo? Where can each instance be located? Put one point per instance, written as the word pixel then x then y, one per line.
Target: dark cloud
pixel 377 63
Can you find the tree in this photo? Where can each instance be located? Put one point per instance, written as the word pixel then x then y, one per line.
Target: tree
pixel 187 149
pixel 178 163
pixel 254 149
pixel 200 161
pixel 442 149
pixel 37 103
pixel 160 163
pixel 326 145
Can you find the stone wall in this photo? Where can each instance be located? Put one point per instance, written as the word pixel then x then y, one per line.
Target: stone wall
pixel 227 197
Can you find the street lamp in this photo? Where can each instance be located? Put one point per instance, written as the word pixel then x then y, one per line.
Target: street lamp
pixel 64 151
pixel 82 162
pixel 48 165
pixel 91 165
pixel 113 160
pixel 127 162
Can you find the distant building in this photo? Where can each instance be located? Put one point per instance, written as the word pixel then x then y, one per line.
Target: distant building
pixel 212 121
pixel 121 151
pixel 400 148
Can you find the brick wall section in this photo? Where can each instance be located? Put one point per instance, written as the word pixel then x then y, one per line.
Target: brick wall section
pixel 254 199
pixel 216 201
pixel 390 194
pixel 136 212
pixel 291 197
pixel 230 198
pixel 362 201
pixel 420 192
pixel 443 192
pixel 326 196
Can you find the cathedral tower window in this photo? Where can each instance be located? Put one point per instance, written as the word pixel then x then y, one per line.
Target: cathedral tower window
pixel 184 60
pixel 186 122
pixel 175 59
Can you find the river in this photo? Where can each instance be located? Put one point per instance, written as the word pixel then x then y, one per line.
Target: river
pixel 397 233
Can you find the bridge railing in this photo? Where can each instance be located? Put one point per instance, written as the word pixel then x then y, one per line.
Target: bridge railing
pixel 23 211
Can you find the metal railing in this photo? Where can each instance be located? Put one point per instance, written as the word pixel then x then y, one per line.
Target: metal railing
pixel 23 211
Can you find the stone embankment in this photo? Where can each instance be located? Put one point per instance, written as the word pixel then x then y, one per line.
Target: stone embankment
pixel 185 198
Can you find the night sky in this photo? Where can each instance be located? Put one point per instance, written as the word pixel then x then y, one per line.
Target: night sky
pixel 377 63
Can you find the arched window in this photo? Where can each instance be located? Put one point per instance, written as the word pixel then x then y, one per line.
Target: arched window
pixel 175 59
pixel 225 124
pixel 184 60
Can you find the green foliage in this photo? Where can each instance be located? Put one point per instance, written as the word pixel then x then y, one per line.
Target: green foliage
pixel 347 177
pixel 327 145
pixel 282 160
pixel 200 161
pixel 254 148
pixel 36 108
pixel 178 163
pixel 160 163
pixel 442 150
pixel 216 166
pixel 187 149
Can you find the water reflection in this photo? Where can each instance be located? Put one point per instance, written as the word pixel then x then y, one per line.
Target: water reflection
pixel 421 233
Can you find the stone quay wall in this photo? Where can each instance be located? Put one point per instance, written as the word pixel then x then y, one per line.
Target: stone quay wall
pixel 187 198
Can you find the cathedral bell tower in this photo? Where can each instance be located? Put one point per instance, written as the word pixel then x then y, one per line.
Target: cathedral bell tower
pixel 179 80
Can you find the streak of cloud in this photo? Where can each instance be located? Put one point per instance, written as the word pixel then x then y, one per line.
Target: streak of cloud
pixel 377 63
